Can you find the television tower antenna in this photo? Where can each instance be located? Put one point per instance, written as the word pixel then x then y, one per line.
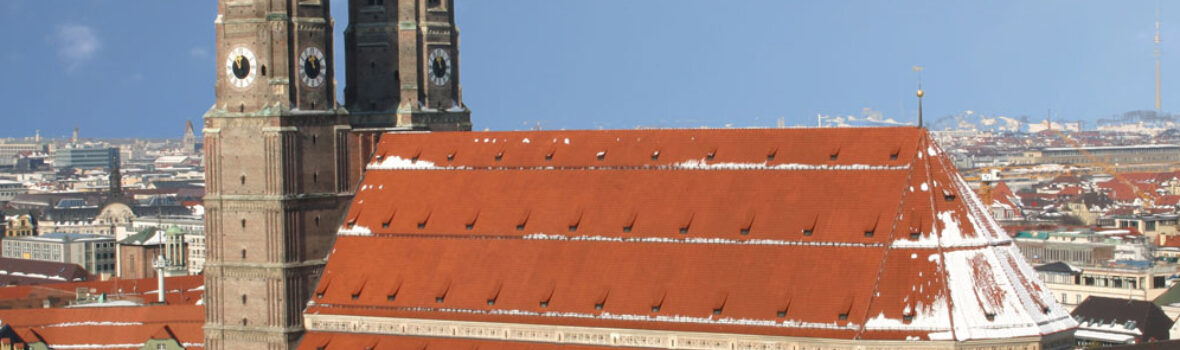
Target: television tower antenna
pixel 1157 54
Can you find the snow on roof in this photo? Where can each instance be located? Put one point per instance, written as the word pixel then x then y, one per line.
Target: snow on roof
pixel 1103 336
pixel 728 224
pixel 107 328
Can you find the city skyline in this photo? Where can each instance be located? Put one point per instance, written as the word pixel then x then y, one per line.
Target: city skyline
pixel 621 65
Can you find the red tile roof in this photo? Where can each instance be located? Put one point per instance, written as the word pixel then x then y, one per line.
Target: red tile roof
pixel 1121 191
pixel 846 233
pixel 1169 199
pixel 185 290
pixel 1171 241
pixel 107 327
pixel 29 272
pixel 1070 191
pixel 1002 196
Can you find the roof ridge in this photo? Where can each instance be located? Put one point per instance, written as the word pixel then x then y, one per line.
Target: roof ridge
pixel 888 247
pixel 946 287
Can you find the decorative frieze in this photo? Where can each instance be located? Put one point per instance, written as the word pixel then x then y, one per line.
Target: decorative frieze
pixel 637 338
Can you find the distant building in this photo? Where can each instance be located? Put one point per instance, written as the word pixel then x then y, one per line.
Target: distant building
pixel 1136 154
pixel 138 253
pixel 166 162
pixel 18 225
pixel 85 158
pixel 1082 246
pixel 193 230
pixel 94 252
pixel 195 243
pixel 9 151
pixel 1115 321
pixel 1071 285
pixel 10 189
pixel 1155 226
pixel 190 144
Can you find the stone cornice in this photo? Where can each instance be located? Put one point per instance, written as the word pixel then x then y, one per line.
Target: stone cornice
pixel 617 337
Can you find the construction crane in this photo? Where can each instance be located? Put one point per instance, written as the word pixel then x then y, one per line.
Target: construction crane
pixel 1147 199
pixel 986 179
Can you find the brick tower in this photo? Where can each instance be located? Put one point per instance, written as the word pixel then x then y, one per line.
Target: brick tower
pixel 277 175
pixel 403 65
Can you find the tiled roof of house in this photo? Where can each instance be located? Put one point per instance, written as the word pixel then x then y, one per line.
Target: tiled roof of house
pixel 1168 199
pixel 1058 267
pixel 181 290
pixel 107 328
pixel 865 233
pixel 1070 191
pixel 29 272
pixel 146 237
pixel 1142 319
pixel 1121 191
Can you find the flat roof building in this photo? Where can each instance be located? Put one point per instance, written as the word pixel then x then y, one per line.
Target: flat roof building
pixel 1134 154
pixel 96 253
pixel 85 158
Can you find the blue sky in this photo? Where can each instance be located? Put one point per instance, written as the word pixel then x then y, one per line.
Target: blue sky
pixel 140 68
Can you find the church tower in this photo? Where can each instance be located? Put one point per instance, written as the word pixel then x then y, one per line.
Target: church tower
pixel 277 170
pixel 403 65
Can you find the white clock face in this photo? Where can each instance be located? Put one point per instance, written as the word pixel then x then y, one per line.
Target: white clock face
pixel 240 67
pixel 313 67
pixel 438 67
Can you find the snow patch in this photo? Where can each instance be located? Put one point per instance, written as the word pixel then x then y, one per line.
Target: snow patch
pixel 704 165
pixel 355 230
pixel 723 241
pixel 395 162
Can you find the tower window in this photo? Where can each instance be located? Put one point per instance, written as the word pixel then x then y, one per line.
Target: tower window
pixel 434 3
pixel 264 70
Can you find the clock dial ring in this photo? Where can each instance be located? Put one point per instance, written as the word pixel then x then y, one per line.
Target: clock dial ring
pixel 241 67
pixel 313 68
pixel 438 67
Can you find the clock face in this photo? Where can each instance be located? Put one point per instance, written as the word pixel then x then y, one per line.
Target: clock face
pixel 439 67
pixel 240 67
pixel 313 67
